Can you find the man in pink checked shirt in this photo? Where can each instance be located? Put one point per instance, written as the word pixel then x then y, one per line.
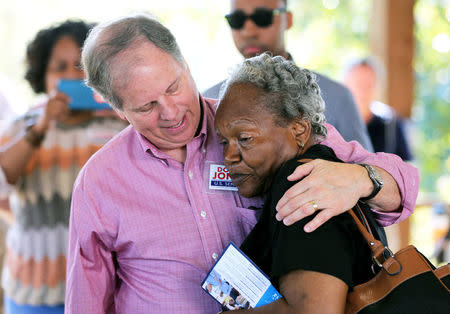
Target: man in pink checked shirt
pixel 148 220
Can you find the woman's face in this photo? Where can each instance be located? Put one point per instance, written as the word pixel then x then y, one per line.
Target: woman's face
pixel 254 147
pixel 64 63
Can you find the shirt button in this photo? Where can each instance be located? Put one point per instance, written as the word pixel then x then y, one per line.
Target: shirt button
pixel 203 214
pixel 190 174
pixel 214 256
pixel 204 150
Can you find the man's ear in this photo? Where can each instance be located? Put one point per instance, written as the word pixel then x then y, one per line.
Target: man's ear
pixel 121 114
pixel 301 130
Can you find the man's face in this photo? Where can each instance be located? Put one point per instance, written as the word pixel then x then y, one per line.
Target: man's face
pixel 361 80
pixel 252 40
pixel 159 96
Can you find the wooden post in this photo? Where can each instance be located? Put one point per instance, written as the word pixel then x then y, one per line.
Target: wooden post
pixel 392 41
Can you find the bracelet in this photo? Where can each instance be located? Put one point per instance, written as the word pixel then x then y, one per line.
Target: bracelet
pixel 33 138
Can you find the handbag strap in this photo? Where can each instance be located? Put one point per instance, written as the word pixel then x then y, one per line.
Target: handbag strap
pixel 380 253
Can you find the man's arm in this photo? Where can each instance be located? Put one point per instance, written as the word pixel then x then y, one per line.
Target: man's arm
pixel 342 112
pixel 91 274
pixel 337 187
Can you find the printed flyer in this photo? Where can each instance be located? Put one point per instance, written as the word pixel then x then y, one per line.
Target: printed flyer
pixel 237 283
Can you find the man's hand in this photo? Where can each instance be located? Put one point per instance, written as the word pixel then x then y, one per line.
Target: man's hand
pixel 334 187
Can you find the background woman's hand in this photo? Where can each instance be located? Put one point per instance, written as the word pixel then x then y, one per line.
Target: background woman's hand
pixel 56 109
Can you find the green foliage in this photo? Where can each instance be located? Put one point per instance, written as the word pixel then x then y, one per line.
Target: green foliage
pixel 335 35
pixel 431 108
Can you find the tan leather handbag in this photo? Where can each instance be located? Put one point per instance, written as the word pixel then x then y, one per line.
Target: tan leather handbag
pixel 406 282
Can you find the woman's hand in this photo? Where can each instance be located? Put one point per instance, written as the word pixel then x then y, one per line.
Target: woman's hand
pixel 330 187
pixel 15 157
pixel 56 109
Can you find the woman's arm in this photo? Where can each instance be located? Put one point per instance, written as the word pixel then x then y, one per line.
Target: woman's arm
pixel 307 292
pixel 15 156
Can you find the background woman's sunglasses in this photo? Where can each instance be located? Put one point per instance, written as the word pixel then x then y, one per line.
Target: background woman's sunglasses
pixel 262 17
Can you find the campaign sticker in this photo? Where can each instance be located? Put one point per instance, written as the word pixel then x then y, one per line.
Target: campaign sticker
pixel 219 178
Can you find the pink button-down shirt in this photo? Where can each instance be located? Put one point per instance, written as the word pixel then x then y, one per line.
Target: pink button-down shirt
pixel 145 229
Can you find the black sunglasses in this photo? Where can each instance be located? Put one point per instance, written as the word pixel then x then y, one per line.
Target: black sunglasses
pixel 262 17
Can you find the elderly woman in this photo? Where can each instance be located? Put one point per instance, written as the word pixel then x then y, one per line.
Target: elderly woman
pixel 42 154
pixel 269 121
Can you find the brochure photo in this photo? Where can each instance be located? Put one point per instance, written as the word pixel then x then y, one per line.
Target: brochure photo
pixel 237 283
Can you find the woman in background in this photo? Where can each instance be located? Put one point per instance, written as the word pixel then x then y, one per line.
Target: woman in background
pixel 43 152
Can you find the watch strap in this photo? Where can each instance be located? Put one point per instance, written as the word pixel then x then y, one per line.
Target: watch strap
pixel 377 184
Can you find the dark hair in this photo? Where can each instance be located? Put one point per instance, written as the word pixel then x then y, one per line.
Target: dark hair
pixel 40 48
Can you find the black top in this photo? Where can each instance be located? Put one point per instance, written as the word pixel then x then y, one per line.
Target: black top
pixel 336 248
pixel 388 135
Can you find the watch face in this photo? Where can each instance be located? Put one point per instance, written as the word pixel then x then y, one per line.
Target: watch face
pixel 376 179
pixel 376 175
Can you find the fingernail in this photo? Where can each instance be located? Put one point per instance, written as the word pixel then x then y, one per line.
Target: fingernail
pixel 286 221
pixel 276 207
pixel 278 217
pixel 308 229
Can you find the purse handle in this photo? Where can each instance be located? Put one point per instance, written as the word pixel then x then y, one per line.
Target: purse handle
pixel 388 261
pixel 380 254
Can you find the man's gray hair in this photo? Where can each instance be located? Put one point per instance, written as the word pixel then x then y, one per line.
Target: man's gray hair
pixel 108 39
pixel 293 92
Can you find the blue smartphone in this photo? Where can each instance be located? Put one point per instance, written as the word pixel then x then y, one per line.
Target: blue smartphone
pixel 82 97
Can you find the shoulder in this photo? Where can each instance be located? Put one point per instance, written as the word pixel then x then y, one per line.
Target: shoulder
pixel 382 110
pixel 295 249
pixel 110 153
pixel 330 87
pixel 281 184
pixel 213 91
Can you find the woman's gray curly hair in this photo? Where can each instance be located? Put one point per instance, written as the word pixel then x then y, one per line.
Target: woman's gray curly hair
pixel 296 91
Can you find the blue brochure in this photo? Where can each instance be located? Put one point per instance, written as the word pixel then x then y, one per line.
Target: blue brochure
pixel 82 97
pixel 237 283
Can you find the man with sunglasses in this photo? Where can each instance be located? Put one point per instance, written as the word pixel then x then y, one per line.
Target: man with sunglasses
pixel 258 26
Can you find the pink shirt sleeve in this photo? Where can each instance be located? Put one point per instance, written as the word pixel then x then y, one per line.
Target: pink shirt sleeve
pixel 406 176
pixel 90 282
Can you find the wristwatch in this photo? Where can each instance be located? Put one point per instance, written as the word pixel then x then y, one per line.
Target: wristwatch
pixel 32 137
pixel 376 179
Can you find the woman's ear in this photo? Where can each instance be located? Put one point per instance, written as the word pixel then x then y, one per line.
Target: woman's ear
pixel 301 130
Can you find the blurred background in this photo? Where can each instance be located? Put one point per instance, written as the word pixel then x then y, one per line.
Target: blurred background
pixel 412 39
